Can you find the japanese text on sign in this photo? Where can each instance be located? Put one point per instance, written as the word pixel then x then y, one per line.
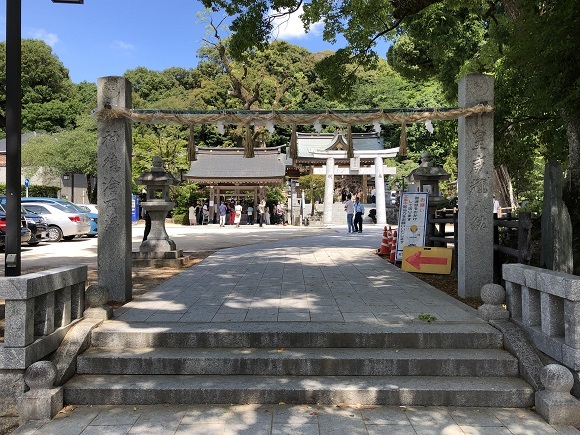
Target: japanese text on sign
pixel 412 221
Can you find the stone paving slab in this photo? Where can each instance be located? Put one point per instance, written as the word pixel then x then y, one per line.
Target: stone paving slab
pixel 330 278
pixel 293 419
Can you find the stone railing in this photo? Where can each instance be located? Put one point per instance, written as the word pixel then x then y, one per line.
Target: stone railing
pixel 40 309
pixel 547 305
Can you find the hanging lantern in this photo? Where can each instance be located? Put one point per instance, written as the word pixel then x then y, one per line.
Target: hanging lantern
pixel 270 127
pixel 377 127
pixel 429 126
pixel 317 126
pixel 220 127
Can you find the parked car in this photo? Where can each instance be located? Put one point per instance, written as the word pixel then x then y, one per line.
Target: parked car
pixel 93 217
pixel 25 233
pixel 88 208
pixel 63 222
pixel 35 223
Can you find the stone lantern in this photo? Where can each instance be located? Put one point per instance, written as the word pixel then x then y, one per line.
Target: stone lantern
pixel 157 204
pixel 427 178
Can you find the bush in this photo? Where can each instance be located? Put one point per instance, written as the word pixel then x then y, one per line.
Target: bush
pixel 35 190
pixel 186 195
pixel 181 219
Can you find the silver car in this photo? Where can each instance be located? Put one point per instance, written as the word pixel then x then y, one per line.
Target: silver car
pixel 63 222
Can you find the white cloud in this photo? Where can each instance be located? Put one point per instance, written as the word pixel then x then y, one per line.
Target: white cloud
pixel 291 27
pixel 50 38
pixel 122 45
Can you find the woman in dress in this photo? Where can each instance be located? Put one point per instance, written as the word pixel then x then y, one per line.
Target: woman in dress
pixel 238 214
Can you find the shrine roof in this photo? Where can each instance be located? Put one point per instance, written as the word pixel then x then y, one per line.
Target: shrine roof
pixel 230 163
pixel 311 142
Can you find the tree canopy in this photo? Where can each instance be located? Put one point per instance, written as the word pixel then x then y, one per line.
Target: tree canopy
pixel 48 95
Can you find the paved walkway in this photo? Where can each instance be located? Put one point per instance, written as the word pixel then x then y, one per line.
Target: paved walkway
pixel 333 278
pixel 293 420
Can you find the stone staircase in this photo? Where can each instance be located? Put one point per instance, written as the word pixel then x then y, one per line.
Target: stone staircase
pixel 447 364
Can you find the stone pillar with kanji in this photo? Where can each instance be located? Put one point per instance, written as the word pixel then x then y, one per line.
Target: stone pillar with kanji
pixel 475 188
pixel 114 186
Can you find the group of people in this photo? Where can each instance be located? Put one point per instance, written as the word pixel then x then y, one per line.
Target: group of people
pixel 231 213
pixel 355 191
pixel 355 211
pixel 198 214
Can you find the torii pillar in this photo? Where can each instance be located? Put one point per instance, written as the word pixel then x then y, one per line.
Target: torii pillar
pixel 328 191
pixel 380 201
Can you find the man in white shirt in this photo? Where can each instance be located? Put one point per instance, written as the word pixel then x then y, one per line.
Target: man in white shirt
pixel 349 208
pixel 359 211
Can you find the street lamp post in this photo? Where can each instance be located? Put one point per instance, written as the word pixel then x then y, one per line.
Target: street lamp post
pixel 13 133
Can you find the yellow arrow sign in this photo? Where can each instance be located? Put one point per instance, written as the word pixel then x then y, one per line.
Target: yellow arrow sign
pixel 427 260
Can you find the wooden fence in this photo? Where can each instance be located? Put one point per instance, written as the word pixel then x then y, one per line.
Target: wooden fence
pixel 506 229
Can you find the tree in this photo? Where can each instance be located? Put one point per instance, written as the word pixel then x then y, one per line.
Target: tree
pixel 48 95
pixel 66 152
pixel 166 141
pixel 313 186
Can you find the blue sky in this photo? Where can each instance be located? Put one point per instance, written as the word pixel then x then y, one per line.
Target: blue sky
pixel 108 37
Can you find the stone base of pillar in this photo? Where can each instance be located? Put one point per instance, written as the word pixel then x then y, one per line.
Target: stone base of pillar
pixel 40 405
pixel 173 258
pixel 154 246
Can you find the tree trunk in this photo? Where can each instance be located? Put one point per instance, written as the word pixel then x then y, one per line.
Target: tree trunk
pixel 572 187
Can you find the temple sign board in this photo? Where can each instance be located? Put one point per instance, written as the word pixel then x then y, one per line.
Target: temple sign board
pixel 412 221
pixel 370 170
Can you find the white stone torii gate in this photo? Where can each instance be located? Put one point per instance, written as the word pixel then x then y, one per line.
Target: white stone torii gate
pixel 378 169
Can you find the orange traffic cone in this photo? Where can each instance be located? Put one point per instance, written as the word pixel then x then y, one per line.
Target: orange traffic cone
pixel 393 253
pixel 385 248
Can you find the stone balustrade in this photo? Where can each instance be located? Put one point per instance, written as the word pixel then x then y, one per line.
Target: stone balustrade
pixel 547 305
pixel 40 309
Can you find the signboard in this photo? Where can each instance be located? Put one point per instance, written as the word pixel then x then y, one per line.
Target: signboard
pixel 427 260
pixel 355 163
pixel 134 208
pixel 412 221
pixel 364 170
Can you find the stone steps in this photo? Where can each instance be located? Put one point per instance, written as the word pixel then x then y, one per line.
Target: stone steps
pixel 387 390
pixel 299 362
pixel 415 363
pixel 437 335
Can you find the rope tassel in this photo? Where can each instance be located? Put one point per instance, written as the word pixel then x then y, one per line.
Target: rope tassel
pixel 403 140
pixel 293 143
pixel 191 151
pixel 350 150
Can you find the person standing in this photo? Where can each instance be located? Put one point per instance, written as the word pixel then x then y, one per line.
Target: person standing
pixel 198 213
pixel 250 211
pixel 261 211
pixel 237 214
pixel 359 211
pixel 496 207
pixel 223 209
pixel 147 218
pixel 267 215
pixel 349 208
pixel 232 212
pixel 191 214
pixel 281 219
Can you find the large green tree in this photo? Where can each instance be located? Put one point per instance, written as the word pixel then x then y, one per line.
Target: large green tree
pixel 66 152
pixel 48 95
